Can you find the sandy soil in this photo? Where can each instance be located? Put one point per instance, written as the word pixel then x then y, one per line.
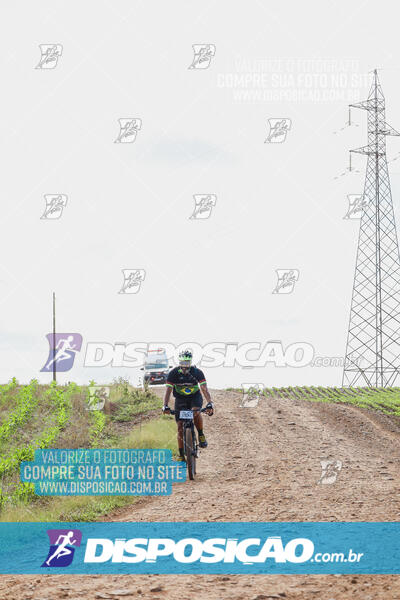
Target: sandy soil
pixel 275 480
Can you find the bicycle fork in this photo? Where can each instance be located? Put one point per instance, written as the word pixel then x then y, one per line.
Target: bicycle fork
pixel 193 450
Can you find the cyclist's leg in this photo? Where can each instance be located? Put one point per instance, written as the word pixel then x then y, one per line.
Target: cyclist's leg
pixel 197 403
pixel 180 437
pixel 180 404
pixel 198 420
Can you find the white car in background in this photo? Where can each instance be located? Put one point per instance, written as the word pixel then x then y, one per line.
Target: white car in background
pixel 156 367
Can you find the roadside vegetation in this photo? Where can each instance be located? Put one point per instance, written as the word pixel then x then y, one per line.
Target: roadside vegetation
pixel 386 400
pixel 37 416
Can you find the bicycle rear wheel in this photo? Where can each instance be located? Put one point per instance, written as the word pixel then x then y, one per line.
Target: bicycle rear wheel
pixel 190 452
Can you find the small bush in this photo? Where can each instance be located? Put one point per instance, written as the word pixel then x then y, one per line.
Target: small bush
pixel 133 402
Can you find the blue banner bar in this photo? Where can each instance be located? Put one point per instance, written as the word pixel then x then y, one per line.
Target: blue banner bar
pixel 103 472
pixel 207 548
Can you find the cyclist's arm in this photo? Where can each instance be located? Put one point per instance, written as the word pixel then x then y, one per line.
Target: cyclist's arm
pixel 205 392
pixel 202 384
pixel 167 395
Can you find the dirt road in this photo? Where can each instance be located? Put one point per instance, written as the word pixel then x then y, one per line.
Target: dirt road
pixel 263 464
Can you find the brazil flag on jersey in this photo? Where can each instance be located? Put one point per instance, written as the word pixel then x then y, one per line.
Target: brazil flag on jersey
pixel 185 384
pixel 186 390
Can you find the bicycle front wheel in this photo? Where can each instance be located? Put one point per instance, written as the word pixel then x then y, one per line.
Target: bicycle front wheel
pixel 190 452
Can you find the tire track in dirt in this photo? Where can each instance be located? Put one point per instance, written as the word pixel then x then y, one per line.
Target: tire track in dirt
pixel 263 464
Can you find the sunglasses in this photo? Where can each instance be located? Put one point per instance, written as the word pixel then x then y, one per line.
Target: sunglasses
pixel 185 366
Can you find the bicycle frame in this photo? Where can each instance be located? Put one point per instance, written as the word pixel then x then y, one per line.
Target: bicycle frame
pixel 188 423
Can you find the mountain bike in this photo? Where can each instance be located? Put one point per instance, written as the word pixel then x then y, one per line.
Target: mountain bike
pixel 190 445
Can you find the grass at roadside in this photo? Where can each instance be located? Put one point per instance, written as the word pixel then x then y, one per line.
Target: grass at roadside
pixel 47 416
pixel 386 400
pixel 132 402
pixel 158 433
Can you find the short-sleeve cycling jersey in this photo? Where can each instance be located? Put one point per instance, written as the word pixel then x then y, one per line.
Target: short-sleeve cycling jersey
pixel 185 384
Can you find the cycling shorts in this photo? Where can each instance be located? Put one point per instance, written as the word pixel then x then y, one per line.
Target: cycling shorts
pixel 188 402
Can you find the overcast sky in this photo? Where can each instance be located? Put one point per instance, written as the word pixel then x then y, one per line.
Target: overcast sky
pixel 203 131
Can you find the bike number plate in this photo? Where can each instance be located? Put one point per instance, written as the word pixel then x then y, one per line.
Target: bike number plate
pixel 185 414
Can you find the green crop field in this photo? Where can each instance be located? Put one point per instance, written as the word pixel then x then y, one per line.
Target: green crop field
pixel 37 416
pixel 386 400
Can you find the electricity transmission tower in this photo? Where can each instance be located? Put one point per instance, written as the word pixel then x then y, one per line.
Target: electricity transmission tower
pixel 373 342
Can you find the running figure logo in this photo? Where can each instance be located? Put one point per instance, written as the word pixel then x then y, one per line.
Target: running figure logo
pixel 357 203
pixel 55 203
pixel 286 280
pixel 330 470
pixel 252 393
pixel 98 394
pixel 278 129
pixel 203 205
pixel 50 53
pixel 63 353
pixel 132 280
pixel 128 129
pixel 61 551
pixel 203 54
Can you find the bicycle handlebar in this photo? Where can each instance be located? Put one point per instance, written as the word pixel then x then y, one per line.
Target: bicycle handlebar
pixel 176 412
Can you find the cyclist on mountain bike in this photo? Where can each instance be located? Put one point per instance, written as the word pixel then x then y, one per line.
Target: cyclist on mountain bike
pixel 186 382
